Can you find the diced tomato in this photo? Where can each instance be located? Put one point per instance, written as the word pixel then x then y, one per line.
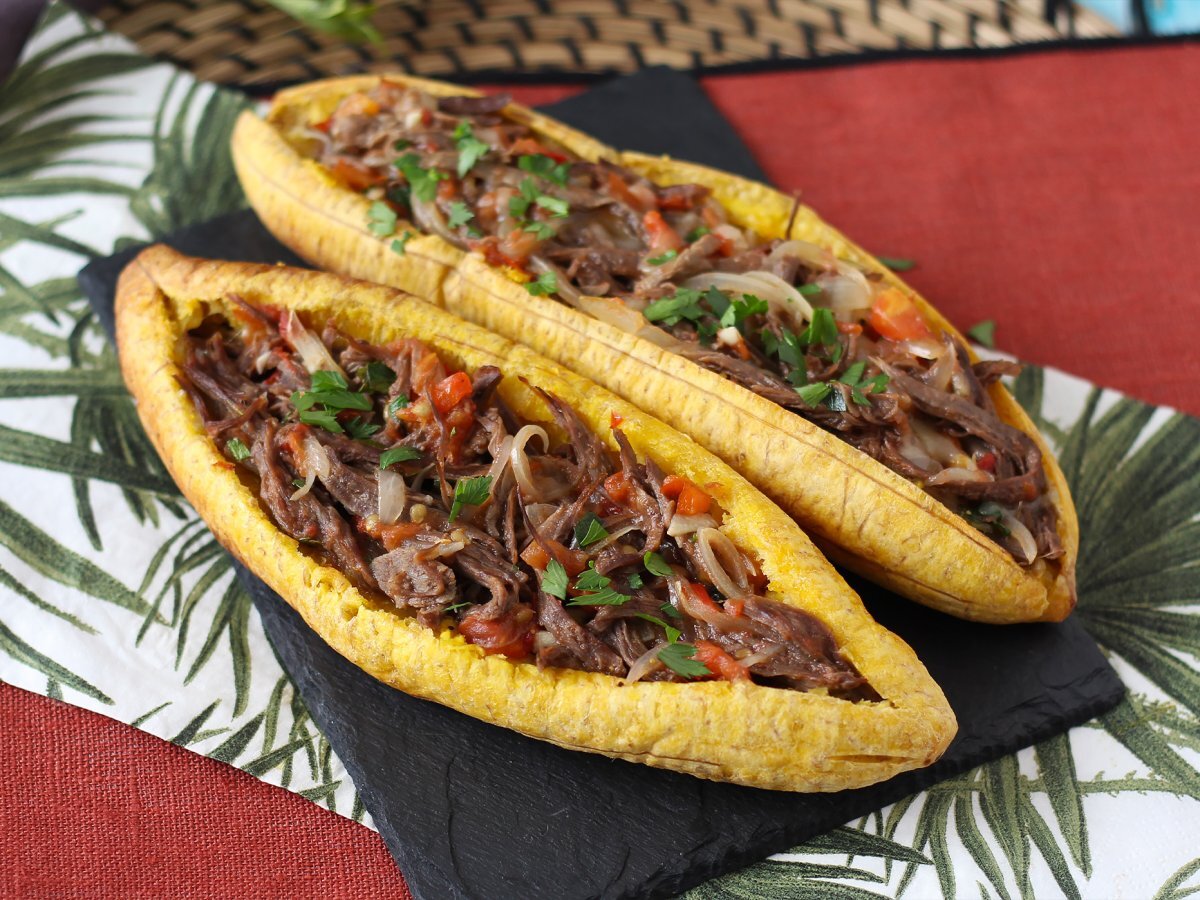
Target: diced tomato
pixel 614 420
pixel 896 317
pixel 324 126
pixel 617 487
pixel 451 391
pixel 987 461
pixel 619 188
pixel 710 217
pixel 354 174
pixel 448 189
pixel 426 117
pixel 528 146
pixel 720 663
pixel 392 536
pixel 689 499
pixel 699 594
pixel 849 328
pixel 661 236
pixel 510 636
pixel 356 104
pixel 736 606
pixel 574 561
pixel 494 256
pixel 518 245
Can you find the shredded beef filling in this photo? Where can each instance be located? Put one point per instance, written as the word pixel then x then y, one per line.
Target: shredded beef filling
pixel 422 486
pixel 879 379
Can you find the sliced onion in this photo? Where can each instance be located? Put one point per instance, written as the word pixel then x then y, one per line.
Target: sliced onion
pixel 314 464
pixel 728 337
pixel 733 234
pixel 642 666
pixel 262 361
pixel 681 525
pixel 761 656
pixel 1021 535
pixel 847 291
pixel 767 286
pixel 614 537
pixel 563 287
pixel 912 450
pixel 724 564
pixel 923 348
pixel 313 353
pixel 429 218
pixel 722 621
pixel 940 373
pixel 393 497
pixel 531 492
pixel 539 512
pixel 959 475
pixel 938 445
pixel 501 457
pixel 544 640
pixel 445 548
pixel 810 254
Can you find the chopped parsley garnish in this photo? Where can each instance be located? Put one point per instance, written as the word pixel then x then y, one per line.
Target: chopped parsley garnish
pixel 299 483
pixel 330 395
pixel 589 530
pixel 696 233
pixel 813 394
pixel 822 330
pixel 402 144
pixel 381 219
pixel 663 258
pixel 786 346
pixel 470 148
pixel 460 214
pixel 896 264
pixel 860 387
pixel 656 565
pixel 237 449
pixel 543 285
pixel 677 657
pixel 376 377
pixel 541 230
pixel 457 606
pixel 553 205
pixel 809 290
pixel 400 244
pixel 591 580
pixel 396 404
pixel 529 195
pixel 739 310
pixel 603 595
pixel 397 454
pixel 360 429
pixel 669 610
pixel 983 333
pixel 673 633
pixel 634 581
pixel 545 167
pixel 422 181
pixel 987 515
pixel 554 580
pixel 470 492
pixel 684 304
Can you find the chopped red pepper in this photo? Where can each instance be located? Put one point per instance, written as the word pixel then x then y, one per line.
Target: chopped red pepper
pixel 720 663
pixel 451 391
pixel 736 606
pixel 528 146
pixel 354 174
pixel 510 636
pixel 987 461
pixel 617 487
pixel 661 236
pixel 614 420
pixel 574 561
pixel 689 499
pixel 896 317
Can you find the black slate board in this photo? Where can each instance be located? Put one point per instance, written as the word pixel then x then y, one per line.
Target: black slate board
pixel 471 810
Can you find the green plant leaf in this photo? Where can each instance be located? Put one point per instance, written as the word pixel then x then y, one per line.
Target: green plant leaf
pixel 1056 765
pixel 237 742
pixel 23 653
pixel 190 731
pixel 975 843
pixel 1173 888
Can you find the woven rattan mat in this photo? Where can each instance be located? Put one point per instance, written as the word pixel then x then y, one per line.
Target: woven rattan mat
pixel 249 42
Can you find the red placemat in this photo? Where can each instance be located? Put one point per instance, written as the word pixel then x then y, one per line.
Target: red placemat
pixel 1049 192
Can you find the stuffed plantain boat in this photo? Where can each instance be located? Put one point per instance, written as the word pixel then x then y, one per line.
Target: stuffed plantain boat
pixel 715 303
pixel 470 523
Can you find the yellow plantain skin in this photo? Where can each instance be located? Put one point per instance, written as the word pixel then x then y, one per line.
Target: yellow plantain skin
pixel 861 513
pixel 745 733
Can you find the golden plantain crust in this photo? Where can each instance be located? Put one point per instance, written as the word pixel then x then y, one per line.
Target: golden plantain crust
pixel 745 733
pixel 860 512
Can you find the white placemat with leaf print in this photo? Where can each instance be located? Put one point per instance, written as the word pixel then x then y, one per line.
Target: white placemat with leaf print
pixel 114 596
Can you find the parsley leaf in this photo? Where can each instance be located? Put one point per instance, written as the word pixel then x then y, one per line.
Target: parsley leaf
pixel 324 418
pixel 739 310
pixel 854 373
pixel 822 330
pixel 543 285
pixel 327 380
pixel 606 596
pixel 336 399
pixel 812 394
pixel 237 449
pixel 786 347
pixel 328 397
pixel 360 429
pixel 673 633
pixel 809 290
pixel 983 333
pixel 656 565
pixel 589 530
pixel 671 611
pixel 460 214
pixel 470 492
pixel 381 219
pixel 896 264
pixel 376 377
pixel 518 204
pixel 541 230
pixel 664 258
pixel 554 580
pixel 696 233
pixel 470 148
pixel 396 404
pixel 678 658
pixel 544 166
pixel 397 454
pixel 401 243
pixel 422 181
pixel 669 310
pixel 635 581
pixel 553 205
pixel 591 580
